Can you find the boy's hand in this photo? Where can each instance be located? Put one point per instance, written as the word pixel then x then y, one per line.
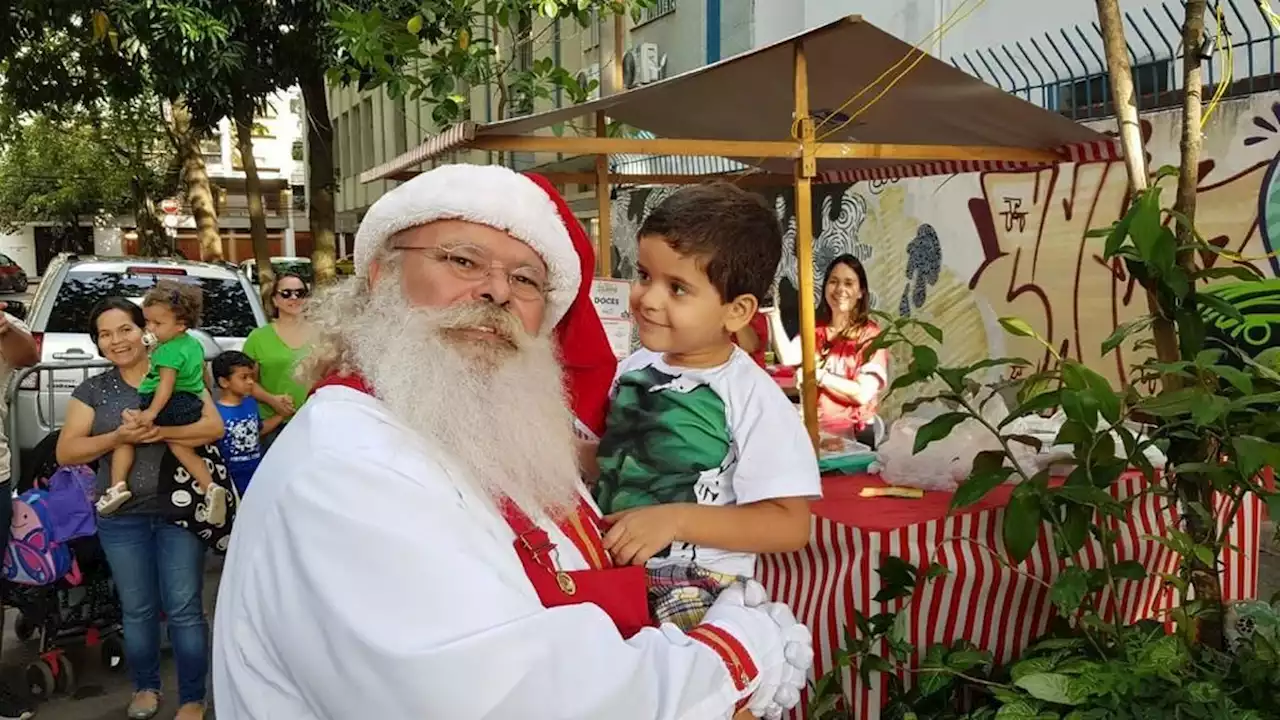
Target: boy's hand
pixel 146 418
pixel 637 535
pixel 283 405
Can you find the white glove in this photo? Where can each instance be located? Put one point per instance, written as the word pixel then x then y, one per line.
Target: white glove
pixel 780 647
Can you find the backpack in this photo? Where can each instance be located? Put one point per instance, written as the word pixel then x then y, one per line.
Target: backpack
pixel 33 557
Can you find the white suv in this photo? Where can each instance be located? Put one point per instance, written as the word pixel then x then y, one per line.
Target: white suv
pixel 59 319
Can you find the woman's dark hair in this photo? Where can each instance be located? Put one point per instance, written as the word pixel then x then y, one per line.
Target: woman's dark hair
pixel 275 287
pixel 861 313
pixel 124 305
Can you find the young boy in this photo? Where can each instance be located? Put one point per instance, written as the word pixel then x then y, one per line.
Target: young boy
pixel 241 445
pixel 704 462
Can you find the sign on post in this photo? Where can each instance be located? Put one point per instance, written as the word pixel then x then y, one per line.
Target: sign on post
pixel 612 299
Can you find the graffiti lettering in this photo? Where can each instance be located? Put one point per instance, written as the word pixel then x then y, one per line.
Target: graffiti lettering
pixel 1013 214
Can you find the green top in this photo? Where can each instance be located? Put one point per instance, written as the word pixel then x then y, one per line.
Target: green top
pixel 276 364
pixel 184 354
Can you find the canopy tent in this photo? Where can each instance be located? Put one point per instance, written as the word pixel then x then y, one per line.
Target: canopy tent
pixel 766 110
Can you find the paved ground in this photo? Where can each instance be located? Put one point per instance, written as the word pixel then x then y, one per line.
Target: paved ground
pixel 101 694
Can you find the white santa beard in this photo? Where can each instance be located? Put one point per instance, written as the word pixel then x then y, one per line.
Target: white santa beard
pixel 499 413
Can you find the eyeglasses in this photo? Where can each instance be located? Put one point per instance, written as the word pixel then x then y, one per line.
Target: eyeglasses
pixel 472 264
pixel 291 293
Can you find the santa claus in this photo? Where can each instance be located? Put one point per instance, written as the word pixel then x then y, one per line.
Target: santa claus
pixel 417 544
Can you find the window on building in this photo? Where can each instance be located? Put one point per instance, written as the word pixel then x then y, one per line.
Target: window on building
pixel 368 150
pixel 657 10
pixel 299 193
pixel 211 148
pixel 295 106
pixel 591 33
pixel 297 151
pixel 353 137
pixel 400 126
pixel 345 141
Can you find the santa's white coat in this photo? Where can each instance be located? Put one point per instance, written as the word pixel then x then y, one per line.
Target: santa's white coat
pixel 363 583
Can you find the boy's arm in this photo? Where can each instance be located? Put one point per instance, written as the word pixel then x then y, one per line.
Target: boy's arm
pixel 271 424
pixel 164 391
pixel 767 526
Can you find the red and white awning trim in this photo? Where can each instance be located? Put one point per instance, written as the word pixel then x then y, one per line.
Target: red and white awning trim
pixel 452 138
pixel 1095 151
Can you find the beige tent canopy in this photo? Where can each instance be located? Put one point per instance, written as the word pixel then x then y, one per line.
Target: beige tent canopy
pixel 781 110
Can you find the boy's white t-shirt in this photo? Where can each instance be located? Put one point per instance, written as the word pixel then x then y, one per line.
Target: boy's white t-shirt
pixel 725 435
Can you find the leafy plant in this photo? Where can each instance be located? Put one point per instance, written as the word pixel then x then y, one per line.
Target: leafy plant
pixel 1215 420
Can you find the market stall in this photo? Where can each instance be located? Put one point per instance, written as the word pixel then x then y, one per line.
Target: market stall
pixel 839 103
pixel 980 599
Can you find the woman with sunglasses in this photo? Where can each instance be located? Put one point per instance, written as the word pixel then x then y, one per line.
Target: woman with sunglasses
pixel 277 348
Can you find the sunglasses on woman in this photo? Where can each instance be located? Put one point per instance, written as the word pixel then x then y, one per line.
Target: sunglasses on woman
pixel 290 294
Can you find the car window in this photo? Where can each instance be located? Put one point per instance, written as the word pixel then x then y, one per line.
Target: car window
pixel 4 260
pixel 227 309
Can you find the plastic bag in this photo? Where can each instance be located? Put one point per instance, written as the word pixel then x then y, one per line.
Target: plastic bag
pixel 945 463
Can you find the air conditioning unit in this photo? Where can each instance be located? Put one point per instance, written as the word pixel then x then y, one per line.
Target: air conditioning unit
pixel 643 64
pixel 586 75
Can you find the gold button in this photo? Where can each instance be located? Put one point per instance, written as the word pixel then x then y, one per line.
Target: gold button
pixel 567 585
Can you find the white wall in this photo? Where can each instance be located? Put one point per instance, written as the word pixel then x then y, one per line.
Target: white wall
pixel 21 248
pixel 1002 22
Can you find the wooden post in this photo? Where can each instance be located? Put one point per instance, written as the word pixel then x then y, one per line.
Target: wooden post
pixel 806 169
pixel 604 221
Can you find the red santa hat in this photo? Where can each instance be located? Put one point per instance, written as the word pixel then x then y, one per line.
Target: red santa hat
pixel 489 195
pixel 589 362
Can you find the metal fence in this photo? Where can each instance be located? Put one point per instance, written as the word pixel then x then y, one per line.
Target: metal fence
pixel 1066 71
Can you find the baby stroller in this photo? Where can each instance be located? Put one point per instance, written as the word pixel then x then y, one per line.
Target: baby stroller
pixel 62 608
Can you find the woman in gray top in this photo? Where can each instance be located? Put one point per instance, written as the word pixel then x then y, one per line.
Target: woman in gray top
pixel 157 565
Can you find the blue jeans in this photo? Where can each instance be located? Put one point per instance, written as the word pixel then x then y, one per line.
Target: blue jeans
pixel 158 566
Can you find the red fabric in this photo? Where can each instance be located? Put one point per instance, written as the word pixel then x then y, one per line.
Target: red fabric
pixel 845 358
pixel 589 362
pixel 760 325
pixel 742 669
pixel 842 503
pixel 622 592
pixel 355 382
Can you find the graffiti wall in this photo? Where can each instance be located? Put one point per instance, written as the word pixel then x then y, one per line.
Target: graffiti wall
pixel 962 251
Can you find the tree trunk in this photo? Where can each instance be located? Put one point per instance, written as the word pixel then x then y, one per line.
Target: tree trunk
pixel 321 183
pixel 1195 489
pixel 153 239
pixel 253 191
pixel 1135 160
pixel 186 139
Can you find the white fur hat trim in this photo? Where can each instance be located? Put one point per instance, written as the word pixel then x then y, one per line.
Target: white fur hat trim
pixel 489 195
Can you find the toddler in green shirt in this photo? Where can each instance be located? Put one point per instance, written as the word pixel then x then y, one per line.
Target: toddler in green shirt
pixel 171 394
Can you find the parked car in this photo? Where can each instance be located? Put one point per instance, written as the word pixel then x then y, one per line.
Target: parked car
pixel 299 266
pixel 13 279
pixel 58 316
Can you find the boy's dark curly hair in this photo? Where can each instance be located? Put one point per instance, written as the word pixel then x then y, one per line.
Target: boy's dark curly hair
pixel 186 301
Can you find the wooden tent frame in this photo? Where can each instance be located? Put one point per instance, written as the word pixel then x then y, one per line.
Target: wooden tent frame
pixel 805 150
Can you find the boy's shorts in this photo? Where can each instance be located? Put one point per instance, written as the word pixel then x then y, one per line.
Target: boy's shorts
pixel 183 408
pixel 682 594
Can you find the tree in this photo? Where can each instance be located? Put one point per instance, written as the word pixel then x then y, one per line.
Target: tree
pixel 1176 322
pixel 439 50
pixel 105 160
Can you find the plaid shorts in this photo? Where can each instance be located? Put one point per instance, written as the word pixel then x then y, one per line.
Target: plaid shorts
pixel 682 594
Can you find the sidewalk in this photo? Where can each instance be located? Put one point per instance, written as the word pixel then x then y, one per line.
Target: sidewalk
pixel 101 694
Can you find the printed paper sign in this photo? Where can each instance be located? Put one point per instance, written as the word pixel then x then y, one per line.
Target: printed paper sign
pixel 619 334
pixel 612 298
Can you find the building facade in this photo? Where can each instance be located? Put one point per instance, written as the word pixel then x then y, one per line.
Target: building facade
pixel 671 37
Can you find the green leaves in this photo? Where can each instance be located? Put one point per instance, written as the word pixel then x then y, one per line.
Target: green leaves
pixel 937 429
pixel 1069 590
pixel 1022 522
pixel 988 473
pixel 1051 687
